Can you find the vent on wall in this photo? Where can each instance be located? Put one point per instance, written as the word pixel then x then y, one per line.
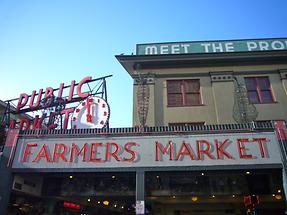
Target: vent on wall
pixel 27 184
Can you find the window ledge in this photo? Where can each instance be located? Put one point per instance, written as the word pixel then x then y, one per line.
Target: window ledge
pixel 264 103
pixel 170 106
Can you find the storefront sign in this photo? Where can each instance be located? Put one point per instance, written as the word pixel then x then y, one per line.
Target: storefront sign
pixel 148 151
pixel 212 46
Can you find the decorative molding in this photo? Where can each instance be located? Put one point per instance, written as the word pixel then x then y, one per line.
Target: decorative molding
pixel 161 130
pixel 283 73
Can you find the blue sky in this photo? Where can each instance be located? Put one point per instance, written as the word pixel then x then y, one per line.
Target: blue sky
pixel 46 42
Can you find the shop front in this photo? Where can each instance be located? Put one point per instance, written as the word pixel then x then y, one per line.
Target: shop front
pixel 155 171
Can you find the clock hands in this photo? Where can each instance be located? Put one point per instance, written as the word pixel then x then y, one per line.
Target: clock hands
pixel 93 112
pixel 89 116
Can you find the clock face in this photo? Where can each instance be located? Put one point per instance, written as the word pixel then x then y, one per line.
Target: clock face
pixel 93 112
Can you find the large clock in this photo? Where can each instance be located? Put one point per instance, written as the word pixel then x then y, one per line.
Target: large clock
pixel 92 112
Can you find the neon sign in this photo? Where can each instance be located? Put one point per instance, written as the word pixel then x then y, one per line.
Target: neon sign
pixel 24 98
pixel 147 151
pixel 107 151
pixel 93 111
pixel 71 205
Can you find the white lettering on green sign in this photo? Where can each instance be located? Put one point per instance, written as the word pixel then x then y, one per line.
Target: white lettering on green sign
pixel 219 47
pixel 167 49
pixel 212 47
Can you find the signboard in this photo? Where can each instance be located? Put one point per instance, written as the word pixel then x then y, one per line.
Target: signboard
pixel 92 112
pixel 212 46
pixel 147 151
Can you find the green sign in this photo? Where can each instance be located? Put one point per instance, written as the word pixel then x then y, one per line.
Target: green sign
pixel 212 46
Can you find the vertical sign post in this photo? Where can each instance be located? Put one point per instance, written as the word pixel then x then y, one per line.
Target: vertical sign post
pixel 140 192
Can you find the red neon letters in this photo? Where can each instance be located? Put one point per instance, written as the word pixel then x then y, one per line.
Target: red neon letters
pixel 71 205
pixel 92 152
pixel 101 152
pixel 203 149
pixel 24 98
pixel 33 102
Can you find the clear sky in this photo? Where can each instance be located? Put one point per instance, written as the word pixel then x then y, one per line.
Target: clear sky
pixel 46 42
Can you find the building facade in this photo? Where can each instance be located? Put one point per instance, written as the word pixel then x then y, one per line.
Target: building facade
pixel 208 137
pixel 195 82
pixel 221 169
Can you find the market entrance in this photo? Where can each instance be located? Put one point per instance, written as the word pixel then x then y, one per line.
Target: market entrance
pixel 187 192
pixel 223 192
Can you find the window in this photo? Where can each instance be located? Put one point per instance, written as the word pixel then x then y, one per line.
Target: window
pixel 258 90
pixel 183 92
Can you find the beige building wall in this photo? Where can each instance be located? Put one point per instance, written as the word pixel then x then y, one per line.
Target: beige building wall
pixel 217 93
pixel 222 87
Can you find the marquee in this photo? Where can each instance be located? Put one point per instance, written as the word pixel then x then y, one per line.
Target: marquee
pixel 147 151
